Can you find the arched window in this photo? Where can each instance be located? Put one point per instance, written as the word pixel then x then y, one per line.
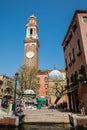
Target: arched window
pixel 31 31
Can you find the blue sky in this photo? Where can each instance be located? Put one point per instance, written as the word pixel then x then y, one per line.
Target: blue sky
pixel 54 17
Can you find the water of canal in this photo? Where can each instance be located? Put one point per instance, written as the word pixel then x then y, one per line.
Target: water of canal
pixel 42 127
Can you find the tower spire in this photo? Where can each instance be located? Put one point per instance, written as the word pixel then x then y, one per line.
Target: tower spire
pixel 32 16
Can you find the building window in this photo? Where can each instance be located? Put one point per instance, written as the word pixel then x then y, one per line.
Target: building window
pixel 69 39
pixel 65 64
pixel 72 78
pixel 82 74
pixel 85 19
pixel 46 79
pixel 76 76
pixel 70 59
pixel 38 79
pixel 78 47
pixel 71 83
pixel 83 71
pixel 5 91
pixel 38 85
pixel 73 55
pixel 46 85
pixel 79 44
pixel 1 90
pixel 9 83
pixel 74 27
pixel 31 31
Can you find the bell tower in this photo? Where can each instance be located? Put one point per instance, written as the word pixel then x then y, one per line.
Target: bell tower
pixel 31 43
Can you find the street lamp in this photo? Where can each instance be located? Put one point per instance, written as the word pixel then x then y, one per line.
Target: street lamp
pixel 14 105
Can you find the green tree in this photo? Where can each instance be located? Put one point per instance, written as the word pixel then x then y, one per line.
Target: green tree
pixel 28 78
pixel 57 88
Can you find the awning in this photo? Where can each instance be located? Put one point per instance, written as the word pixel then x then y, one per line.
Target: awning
pixel 41 99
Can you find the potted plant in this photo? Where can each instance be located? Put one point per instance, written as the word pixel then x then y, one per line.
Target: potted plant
pixel 73 60
pixel 71 84
pixel 70 63
pixel 80 77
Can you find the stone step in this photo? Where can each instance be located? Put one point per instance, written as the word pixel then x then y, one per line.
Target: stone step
pixel 63 116
pixel 46 118
pixel 46 115
pixel 33 116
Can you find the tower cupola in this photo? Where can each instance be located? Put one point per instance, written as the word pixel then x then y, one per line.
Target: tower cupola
pixel 32 28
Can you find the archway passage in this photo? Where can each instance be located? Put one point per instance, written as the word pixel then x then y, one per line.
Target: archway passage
pixel 73 101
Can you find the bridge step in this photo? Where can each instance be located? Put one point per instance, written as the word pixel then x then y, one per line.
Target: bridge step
pixel 46 116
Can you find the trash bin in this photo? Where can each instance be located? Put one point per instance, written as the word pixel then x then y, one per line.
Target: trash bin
pixel 39 104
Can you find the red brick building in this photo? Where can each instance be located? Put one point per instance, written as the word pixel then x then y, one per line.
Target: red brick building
pixel 43 83
pixel 75 55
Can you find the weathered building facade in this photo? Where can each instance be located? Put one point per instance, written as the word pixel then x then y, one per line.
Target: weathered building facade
pixel 7 88
pixel 75 55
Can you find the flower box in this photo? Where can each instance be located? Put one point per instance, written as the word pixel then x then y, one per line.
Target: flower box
pixel 73 60
pixel 70 63
pixel 79 52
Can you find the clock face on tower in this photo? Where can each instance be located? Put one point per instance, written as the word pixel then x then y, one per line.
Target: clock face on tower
pixel 30 54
